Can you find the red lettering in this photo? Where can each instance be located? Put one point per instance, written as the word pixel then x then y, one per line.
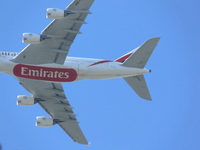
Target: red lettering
pixel 66 75
pixel 45 73
pixel 60 75
pixel 24 71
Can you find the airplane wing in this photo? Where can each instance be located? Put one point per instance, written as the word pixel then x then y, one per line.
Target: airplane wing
pixel 63 32
pixel 51 97
pixel 54 50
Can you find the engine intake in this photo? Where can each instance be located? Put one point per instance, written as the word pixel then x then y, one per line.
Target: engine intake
pixel 24 100
pixel 32 38
pixel 42 121
pixel 54 13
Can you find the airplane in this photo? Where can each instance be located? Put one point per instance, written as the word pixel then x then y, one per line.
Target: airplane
pixel 43 65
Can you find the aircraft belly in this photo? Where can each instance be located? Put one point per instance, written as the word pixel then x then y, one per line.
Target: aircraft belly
pixel 114 72
pixel 6 67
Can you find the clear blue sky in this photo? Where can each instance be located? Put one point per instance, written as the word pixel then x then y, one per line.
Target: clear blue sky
pixel 112 116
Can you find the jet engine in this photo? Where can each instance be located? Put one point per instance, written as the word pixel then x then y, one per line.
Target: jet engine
pixel 24 100
pixel 54 13
pixel 32 38
pixel 42 121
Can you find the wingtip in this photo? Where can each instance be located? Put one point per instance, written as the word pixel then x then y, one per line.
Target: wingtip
pixel 157 38
pixel 89 144
pixel 154 39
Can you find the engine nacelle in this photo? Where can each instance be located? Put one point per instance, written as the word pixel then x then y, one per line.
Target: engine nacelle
pixel 32 38
pixel 42 121
pixel 54 13
pixel 24 100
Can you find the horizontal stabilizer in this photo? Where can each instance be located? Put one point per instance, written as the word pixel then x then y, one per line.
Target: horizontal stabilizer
pixel 140 57
pixel 138 84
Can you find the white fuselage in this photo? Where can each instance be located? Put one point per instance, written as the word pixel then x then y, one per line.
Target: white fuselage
pixel 74 69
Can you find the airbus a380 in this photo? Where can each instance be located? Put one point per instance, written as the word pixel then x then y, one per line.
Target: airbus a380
pixel 43 65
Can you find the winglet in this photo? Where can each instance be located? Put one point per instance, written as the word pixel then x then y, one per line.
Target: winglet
pixel 89 144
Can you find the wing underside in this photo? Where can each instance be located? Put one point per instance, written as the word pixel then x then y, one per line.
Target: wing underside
pixel 61 33
pixel 52 99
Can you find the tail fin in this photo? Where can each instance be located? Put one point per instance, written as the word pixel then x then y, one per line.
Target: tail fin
pixel 138 59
